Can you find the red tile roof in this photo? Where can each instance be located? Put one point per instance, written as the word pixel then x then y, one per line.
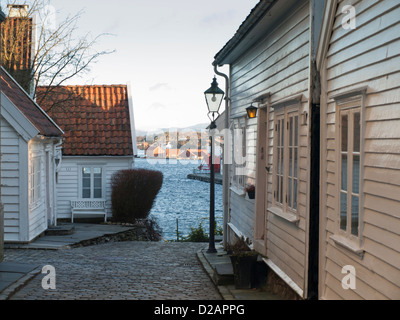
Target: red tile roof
pixel 95 119
pixel 45 125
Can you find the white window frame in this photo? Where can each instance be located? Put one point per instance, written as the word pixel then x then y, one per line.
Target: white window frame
pixel 91 167
pixel 347 182
pixel 35 180
pixel 349 103
pixel 239 140
pixel 281 197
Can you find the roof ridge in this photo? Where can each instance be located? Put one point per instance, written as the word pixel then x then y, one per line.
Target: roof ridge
pixel 33 101
pixel 86 85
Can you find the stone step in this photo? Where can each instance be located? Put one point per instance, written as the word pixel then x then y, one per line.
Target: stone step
pixel 60 230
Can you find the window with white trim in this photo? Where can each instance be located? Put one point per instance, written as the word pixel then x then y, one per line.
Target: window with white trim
pixel 286 151
pixel 239 154
pixel 34 181
pixel 350 159
pixel 91 182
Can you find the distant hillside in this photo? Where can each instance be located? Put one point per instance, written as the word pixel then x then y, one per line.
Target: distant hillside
pixel 196 127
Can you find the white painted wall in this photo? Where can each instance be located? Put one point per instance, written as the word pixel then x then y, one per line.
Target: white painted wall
pixel 68 179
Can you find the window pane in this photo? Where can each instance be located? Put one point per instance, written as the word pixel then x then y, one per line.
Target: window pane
pixel 86 193
pixel 296 131
pixel 97 182
pixel 86 170
pixel 344 125
pixel 86 182
pixel 356 174
pixel 291 131
pixel 343 211
pixel 295 195
pixel 278 171
pixel 97 193
pixel 354 215
pixel 344 172
pixel 291 151
pixel 357 132
pixel 279 133
pixel 290 193
pixel 296 156
pixel 281 191
pixel 278 188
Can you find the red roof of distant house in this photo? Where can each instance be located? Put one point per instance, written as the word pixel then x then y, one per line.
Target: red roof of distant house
pixel 95 119
pixel 43 123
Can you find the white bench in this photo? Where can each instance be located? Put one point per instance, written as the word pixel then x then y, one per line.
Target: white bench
pixel 88 207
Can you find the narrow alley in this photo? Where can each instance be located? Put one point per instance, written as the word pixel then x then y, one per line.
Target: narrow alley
pixel 119 271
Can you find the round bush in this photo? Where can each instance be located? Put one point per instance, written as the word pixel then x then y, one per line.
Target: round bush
pixel 133 193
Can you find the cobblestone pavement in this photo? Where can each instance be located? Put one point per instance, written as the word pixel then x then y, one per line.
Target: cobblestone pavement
pixel 119 270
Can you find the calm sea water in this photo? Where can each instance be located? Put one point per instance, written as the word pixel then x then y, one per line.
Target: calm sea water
pixel 182 198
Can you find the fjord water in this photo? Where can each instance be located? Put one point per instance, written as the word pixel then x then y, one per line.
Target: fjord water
pixel 181 198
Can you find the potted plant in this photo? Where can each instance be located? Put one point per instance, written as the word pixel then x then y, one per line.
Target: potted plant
pixel 243 262
pixel 251 191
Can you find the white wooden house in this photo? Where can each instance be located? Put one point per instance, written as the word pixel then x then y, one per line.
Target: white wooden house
pixel 99 140
pixel 359 63
pixel 324 150
pixel 270 60
pixel 30 142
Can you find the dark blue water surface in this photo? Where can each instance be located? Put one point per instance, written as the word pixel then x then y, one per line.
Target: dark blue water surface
pixel 182 198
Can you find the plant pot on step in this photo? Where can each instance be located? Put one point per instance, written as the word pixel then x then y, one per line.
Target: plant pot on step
pixel 243 269
pixel 251 191
pixel 251 194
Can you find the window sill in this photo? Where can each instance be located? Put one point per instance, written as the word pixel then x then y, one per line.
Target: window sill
pixel 348 245
pixel 239 191
pixel 290 217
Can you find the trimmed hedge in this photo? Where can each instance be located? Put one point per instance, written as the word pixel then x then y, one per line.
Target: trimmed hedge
pixel 133 193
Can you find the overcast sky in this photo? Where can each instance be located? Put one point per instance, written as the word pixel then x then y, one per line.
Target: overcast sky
pixel 164 48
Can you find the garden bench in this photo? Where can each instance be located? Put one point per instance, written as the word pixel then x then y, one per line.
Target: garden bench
pixel 88 207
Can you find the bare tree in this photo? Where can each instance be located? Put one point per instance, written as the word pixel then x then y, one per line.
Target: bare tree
pixel 38 50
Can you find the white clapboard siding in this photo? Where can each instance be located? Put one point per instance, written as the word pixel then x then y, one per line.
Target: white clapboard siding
pixel 367 56
pixel 10 181
pixel 279 65
pixel 68 180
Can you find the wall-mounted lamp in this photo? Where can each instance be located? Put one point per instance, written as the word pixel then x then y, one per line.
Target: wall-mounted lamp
pixel 304 118
pixel 252 112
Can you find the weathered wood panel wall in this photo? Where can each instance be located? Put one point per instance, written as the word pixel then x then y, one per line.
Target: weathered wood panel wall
pixel 367 56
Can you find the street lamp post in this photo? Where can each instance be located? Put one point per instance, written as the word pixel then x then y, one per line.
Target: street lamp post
pixel 214 96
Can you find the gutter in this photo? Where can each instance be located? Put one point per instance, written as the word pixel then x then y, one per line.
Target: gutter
pixel 256 14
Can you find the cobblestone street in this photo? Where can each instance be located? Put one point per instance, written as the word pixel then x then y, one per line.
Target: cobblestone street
pixel 119 270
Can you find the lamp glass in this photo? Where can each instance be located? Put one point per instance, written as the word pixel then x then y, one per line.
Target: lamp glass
pixel 251 112
pixel 214 96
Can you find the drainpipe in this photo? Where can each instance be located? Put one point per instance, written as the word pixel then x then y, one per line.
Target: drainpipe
pixel 2 18
pixel 226 165
pixel 57 148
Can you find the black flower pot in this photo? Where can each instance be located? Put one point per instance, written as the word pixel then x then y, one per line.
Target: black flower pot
pixel 243 270
pixel 251 194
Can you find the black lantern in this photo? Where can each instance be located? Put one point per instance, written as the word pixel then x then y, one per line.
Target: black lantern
pixel 214 97
pixel 251 112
